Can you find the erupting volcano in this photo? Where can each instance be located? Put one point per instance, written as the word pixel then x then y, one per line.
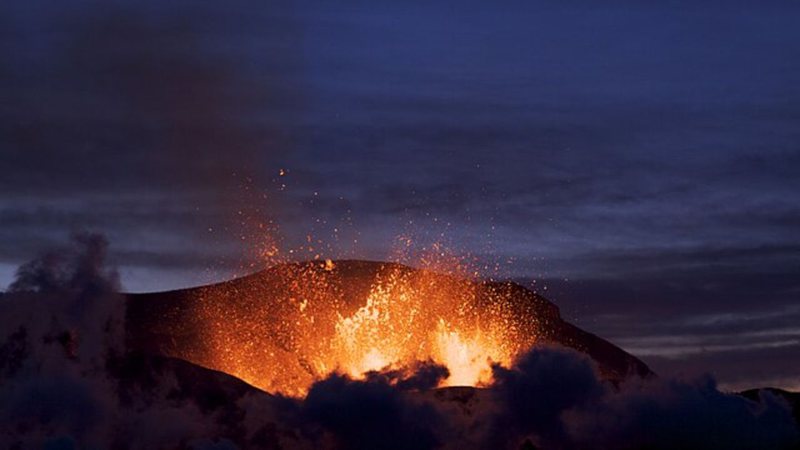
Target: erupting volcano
pixel 286 327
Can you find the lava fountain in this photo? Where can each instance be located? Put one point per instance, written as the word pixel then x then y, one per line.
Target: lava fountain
pixel 286 327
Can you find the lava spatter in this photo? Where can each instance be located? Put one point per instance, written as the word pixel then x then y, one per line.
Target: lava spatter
pixel 299 322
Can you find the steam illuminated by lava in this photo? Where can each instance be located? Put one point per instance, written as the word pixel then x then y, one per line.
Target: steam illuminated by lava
pixel 296 323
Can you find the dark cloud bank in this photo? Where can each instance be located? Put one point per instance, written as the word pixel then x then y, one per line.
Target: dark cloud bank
pixel 67 382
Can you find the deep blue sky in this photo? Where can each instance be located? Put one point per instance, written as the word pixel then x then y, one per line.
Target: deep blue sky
pixel 639 159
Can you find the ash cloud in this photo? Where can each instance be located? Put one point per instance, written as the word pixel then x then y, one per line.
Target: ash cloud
pixel 555 398
pixel 61 320
pixel 552 398
pixel 533 395
pixel 70 301
pixel 668 414
pixel 371 414
pixel 421 376
pixel 75 269
pixel 62 341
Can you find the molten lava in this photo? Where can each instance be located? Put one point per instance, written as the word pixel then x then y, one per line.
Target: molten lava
pixel 405 321
pixel 296 323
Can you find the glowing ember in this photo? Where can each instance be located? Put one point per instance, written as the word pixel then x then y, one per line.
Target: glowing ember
pixel 296 323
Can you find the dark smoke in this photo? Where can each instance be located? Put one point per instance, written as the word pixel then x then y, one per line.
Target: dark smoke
pixel 666 414
pixel 61 321
pixel 556 399
pixel 370 414
pixel 61 333
pixel 79 267
pixel 537 390
pixel 72 302
pixel 422 376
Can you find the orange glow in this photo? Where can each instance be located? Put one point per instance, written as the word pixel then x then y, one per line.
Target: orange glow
pixel 296 323
pixel 469 361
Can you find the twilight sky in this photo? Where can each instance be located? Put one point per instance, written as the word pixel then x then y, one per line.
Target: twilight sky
pixel 640 161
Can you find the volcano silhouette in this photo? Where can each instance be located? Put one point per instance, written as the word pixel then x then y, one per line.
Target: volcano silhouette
pixel 168 323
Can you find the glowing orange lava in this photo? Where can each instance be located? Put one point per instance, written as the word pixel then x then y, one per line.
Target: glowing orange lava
pixel 406 320
pixel 291 325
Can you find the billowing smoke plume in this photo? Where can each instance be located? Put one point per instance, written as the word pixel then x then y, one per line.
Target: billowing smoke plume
pixel 62 355
pixel 368 415
pixel 60 322
pixel 533 395
pixel 67 381
pixel 422 376
pixel 73 299
pixel 554 398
